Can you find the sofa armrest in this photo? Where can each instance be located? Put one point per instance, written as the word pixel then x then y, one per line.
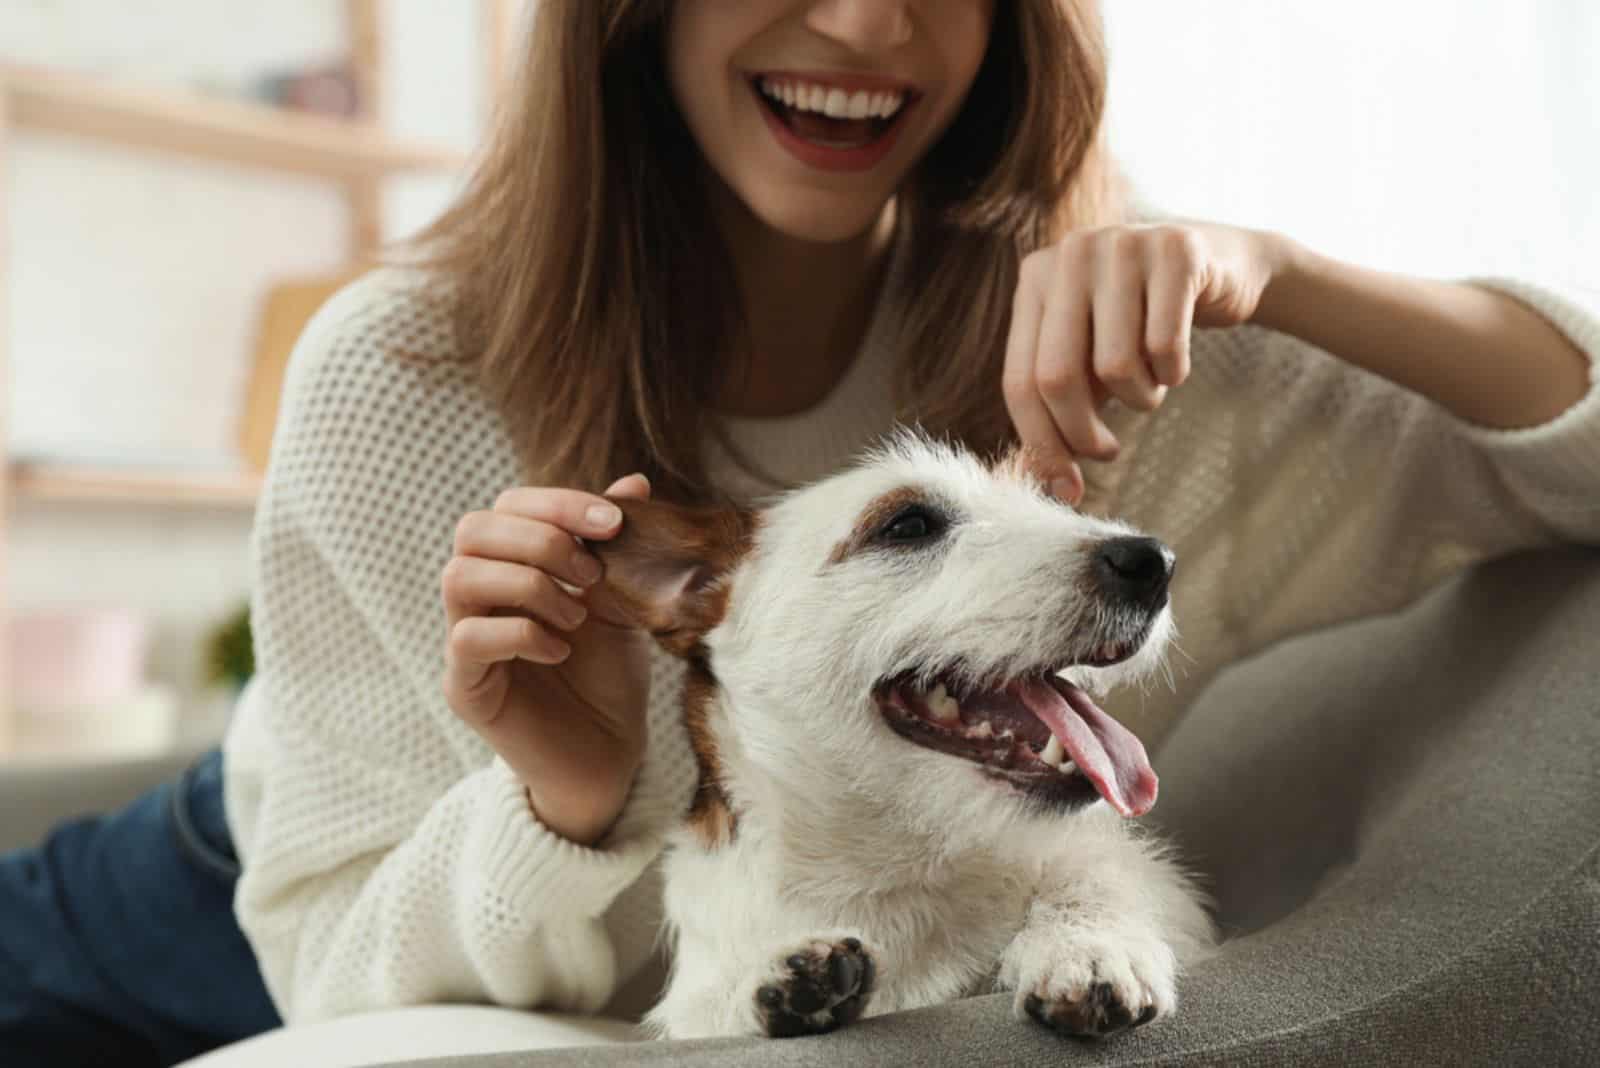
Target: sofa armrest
pixel 34 797
pixel 1400 819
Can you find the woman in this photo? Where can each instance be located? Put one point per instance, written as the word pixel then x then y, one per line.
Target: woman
pixel 723 246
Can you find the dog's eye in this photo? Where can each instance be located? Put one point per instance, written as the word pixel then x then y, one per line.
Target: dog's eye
pixel 913 523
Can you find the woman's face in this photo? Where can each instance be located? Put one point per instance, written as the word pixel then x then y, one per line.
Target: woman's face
pixel 813 113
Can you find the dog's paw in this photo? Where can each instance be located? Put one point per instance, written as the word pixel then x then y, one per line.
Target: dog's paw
pixel 1097 987
pixel 1098 1011
pixel 819 987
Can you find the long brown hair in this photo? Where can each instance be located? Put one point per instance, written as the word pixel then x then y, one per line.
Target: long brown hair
pixel 594 297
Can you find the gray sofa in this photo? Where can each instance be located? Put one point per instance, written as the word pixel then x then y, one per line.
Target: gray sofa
pixel 1400 820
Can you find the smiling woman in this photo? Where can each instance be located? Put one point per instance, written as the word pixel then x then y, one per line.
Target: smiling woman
pixel 719 56
pixel 751 241
pixel 454 766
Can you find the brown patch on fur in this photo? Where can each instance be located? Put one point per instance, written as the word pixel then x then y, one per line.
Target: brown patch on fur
pixel 710 819
pixel 872 519
pixel 666 570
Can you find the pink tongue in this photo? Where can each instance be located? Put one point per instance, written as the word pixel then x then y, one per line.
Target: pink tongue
pixel 1104 750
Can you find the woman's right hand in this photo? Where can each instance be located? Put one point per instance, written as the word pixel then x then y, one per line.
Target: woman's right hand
pixel 560 696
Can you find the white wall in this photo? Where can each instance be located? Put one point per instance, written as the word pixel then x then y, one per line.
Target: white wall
pixel 135 280
pixel 1445 137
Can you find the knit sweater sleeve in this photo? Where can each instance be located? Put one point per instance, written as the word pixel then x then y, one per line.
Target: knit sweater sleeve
pixel 1307 491
pixel 389 857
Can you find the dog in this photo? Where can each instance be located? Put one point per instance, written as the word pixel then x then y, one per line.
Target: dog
pixel 907 793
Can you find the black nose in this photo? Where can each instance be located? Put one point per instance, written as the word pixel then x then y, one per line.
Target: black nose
pixel 1134 569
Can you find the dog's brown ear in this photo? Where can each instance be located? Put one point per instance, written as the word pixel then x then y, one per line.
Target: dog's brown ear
pixel 662 570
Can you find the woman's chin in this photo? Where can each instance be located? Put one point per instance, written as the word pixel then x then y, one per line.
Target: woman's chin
pixel 818 218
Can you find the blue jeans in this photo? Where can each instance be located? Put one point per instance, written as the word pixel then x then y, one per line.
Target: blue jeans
pixel 118 944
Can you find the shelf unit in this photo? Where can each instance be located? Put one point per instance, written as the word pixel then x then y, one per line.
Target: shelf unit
pixel 88 484
pixel 254 135
pixel 357 154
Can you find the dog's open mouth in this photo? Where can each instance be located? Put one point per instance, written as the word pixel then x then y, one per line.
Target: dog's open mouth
pixel 1037 731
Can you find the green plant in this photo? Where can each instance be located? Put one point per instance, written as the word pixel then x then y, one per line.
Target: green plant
pixel 230 653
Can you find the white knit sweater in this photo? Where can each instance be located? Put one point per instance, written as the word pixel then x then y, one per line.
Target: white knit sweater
pixel 390 859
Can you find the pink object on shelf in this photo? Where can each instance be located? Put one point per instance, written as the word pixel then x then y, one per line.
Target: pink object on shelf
pixel 77 657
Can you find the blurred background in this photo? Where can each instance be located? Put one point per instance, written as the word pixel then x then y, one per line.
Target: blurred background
pixel 182 182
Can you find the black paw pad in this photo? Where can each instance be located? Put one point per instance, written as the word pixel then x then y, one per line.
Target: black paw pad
pixel 823 987
pixel 1098 1013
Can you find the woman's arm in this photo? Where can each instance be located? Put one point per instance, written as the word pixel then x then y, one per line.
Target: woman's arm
pixel 1484 356
pixel 389 857
pixel 1110 313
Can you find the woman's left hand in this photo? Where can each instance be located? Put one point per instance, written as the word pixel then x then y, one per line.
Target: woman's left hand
pixel 1107 313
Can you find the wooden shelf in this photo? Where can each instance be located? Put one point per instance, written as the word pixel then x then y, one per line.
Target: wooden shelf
pixel 111 485
pixel 194 125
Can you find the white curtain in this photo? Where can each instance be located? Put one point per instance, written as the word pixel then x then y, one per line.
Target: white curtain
pixel 1441 137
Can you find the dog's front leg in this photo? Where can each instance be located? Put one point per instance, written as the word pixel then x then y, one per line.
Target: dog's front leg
pixel 1107 932
pixel 781 987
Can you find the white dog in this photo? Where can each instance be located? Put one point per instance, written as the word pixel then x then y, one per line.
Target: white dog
pixel 901 801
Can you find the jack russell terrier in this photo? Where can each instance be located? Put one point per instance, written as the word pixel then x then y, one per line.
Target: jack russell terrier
pixel 907 793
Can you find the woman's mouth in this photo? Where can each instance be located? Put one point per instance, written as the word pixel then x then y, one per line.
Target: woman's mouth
pixel 831 126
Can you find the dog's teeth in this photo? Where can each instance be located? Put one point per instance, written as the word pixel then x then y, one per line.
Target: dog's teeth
pixel 1053 753
pixel 1068 767
pixel 944 707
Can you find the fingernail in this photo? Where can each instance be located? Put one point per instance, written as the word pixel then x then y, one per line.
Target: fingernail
pixel 1063 489
pixel 587 568
pixel 603 516
pixel 574 613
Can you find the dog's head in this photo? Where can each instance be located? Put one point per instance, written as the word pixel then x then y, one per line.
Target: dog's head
pixel 896 632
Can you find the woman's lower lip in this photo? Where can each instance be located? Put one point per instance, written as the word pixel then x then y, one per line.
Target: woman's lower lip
pixel 861 158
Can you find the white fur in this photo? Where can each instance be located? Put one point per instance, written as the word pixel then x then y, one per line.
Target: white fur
pixel 953 883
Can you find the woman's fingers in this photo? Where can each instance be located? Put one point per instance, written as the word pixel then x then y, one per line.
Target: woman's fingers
pixel 483 641
pixel 474 586
pixel 1063 367
pixel 1169 319
pixel 476 652
pixel 1105 313
pixel 584 515
pixel 1119 320
pixel 534 543
pixel 1036 427
pixel 522 561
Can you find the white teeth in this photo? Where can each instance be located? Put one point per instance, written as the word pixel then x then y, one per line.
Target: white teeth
pixel 835 103
pixel 944 707
pixel 1053 753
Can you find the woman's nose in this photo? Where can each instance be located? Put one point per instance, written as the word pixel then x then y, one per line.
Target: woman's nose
pixel 862 25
